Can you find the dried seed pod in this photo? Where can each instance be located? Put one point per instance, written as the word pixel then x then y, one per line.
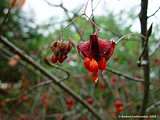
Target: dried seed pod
pixel 60 50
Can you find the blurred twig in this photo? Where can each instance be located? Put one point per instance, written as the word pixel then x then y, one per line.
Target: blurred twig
pixel 6 16
pixel 127 77
pixel 54 79
pixel 157 104
pixel 57 67
pixel 157 46
pixel 71 21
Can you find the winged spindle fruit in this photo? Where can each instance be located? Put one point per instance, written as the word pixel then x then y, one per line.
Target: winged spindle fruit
pixel 96 52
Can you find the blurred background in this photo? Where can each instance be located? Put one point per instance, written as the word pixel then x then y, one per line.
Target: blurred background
pixel 33 25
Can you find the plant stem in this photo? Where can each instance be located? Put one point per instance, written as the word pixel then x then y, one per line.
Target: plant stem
pixel 145 56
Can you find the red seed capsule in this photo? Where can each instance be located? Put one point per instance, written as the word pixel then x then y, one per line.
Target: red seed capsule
pixel 53 59
pixel 102 63
pixel 96 52
pixel 60 50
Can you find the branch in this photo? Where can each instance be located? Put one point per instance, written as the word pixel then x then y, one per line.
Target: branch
pixel 157 46
pixel 127 77
pixel 53 5
pixel 93 18
pixel 44 71
pixel 145 56
pixel 145 46
pixel 68 16
pixel 154 13
pixel 153 106
pixel 59 68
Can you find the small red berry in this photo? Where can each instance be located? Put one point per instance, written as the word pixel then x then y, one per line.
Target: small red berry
pixel 24 97
pixel 89 100
pixel 69 103
pixel 95 77
pixel 118 105
pixel 84 117
pixel 102 86
pixel 53 59
pixel 44 100
pixel 113 79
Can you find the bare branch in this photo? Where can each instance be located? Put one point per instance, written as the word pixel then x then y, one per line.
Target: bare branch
pixel 93 18
pixel 127 77
pixel 85 8
pixel 51 4
pixel 57 67
pixel 153 106
pixel 155 48
pixel 154 13
pixel 54 79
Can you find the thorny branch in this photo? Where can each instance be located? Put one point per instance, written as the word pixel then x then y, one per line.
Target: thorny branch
pixel 54 79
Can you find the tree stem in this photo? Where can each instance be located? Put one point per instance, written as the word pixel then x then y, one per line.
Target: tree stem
pixel 145 56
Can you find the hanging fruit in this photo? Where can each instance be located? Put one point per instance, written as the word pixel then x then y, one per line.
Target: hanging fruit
pixel 69 103
pixel 44 100
pixel 118 105
pixel 89 100
pixel 60 49
pixel 96 52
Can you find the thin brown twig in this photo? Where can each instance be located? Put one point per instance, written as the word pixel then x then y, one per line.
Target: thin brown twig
pixel 54 79
pixel 154 105
pixel 127 77
pixel 154 13
pixel 51 4
pixel 85 8
pixel 97 5
pixel 59 68
pixel 93 18
pixel 157 46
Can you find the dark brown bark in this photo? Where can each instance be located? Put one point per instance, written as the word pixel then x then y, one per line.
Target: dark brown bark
pixel 145 56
